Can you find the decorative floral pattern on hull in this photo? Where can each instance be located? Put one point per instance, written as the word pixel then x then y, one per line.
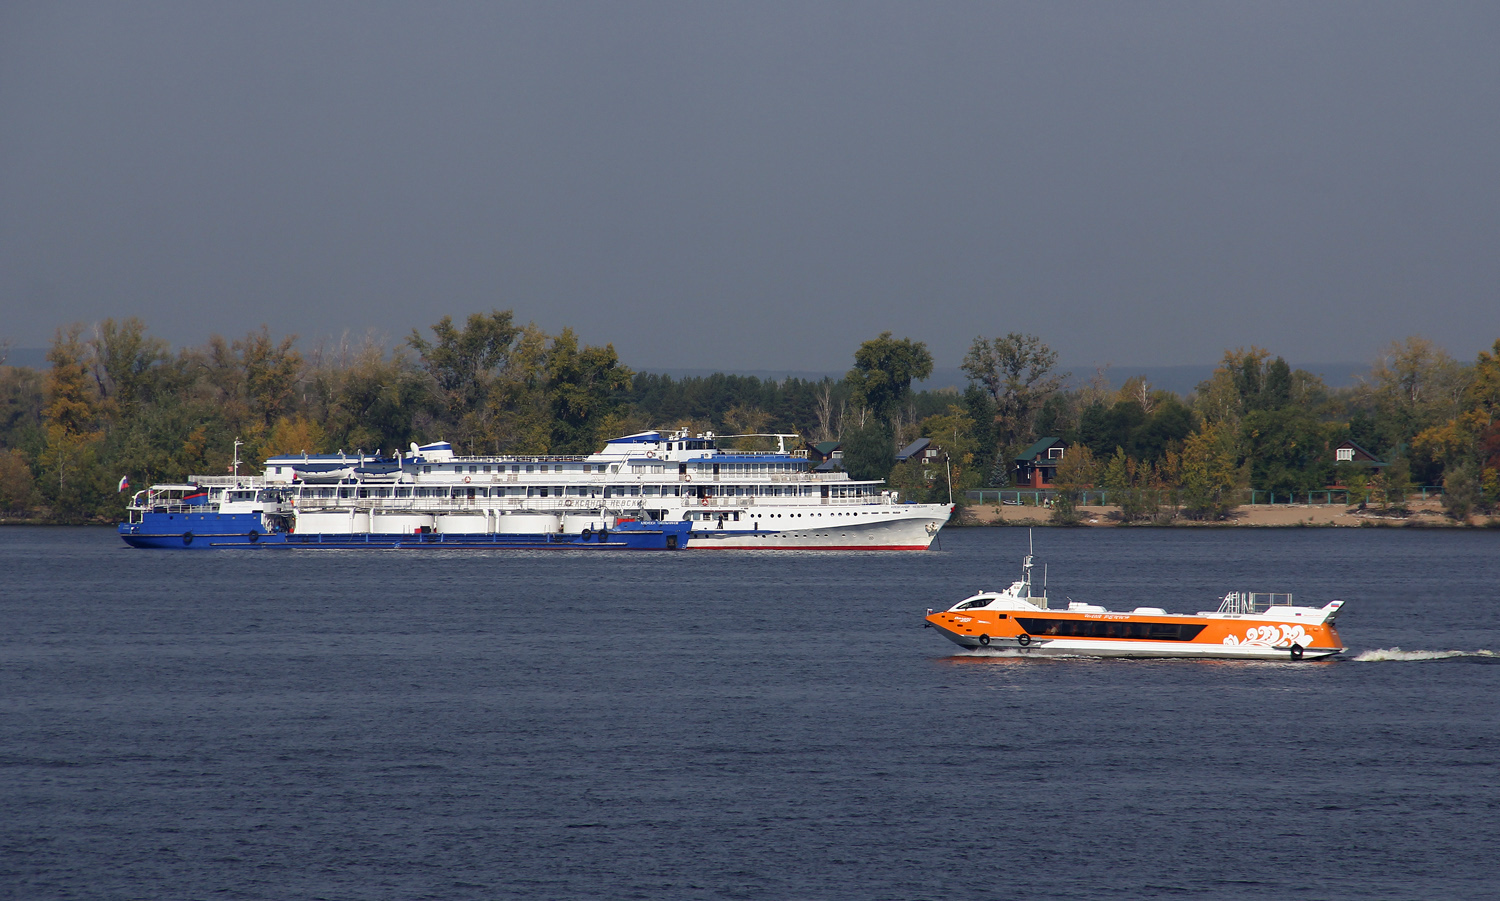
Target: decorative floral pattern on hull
pixel 1282 636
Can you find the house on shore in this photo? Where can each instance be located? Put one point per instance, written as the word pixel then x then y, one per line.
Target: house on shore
pixel 825 456
pixel 1350 457
pixel 922 450
pixel 1036 467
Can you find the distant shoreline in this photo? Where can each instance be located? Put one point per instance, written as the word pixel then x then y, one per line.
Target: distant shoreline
pixel 1423 515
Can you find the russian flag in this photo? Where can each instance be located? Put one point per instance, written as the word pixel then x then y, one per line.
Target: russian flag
pixel 124 483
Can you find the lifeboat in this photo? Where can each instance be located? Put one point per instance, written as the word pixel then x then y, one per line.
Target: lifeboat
pixel 1246 626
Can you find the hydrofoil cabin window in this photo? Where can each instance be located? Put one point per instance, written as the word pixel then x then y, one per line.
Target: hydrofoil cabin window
pixel 970 605
pixel 1093 628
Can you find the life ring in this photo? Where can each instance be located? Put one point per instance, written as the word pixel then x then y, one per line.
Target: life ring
pixel 687 478
pixel 1023 639
pixel 703 500
pixel 467 480
pixel 187 538
pixel 1296 651
pixel 984 640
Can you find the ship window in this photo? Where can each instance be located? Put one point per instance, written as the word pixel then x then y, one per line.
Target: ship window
pixel 1092 628
pixel 486 469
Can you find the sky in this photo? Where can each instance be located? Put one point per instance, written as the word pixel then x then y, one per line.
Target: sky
pixel 760 186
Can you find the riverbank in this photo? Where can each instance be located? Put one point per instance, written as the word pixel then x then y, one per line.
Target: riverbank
pixel 1423 514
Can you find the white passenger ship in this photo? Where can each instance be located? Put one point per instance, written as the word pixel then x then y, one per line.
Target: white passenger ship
pixel 733 499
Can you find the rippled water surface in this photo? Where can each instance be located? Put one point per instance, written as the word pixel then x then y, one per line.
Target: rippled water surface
pixel 407 724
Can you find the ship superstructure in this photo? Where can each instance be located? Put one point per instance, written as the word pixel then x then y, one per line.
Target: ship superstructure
pixel 738 499
pixel 684 484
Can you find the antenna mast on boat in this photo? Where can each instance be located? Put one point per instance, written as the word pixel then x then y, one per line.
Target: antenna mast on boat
pixel 1027 564
pixel 235 466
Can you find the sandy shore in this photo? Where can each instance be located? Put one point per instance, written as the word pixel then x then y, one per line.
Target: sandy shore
pixel 1423 514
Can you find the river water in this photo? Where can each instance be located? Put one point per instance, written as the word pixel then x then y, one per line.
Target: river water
pixel 410 724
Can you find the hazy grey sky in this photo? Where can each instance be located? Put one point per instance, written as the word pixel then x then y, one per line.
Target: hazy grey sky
pixel 761 185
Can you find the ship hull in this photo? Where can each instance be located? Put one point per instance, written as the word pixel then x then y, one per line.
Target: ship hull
pixel 911 530
pixel 1225 639
pixel 220 531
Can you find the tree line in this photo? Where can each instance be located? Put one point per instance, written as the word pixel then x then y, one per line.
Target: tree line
pixel 115 401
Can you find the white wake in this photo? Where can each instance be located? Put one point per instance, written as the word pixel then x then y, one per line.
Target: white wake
pixel 1382 655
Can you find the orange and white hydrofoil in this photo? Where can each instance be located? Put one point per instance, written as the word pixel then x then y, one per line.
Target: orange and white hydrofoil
pixel 1247 626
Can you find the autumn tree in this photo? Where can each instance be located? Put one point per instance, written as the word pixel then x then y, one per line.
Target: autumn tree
pixel 71 482
pixel 1077 472
pixel 922 482
pixel 1208 475
pixel 17 483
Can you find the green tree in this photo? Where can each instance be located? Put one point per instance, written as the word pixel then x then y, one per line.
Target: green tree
pixel 364 399
pixel 271 372
pixel 1013 375
pixel 1286 449
pixel 127 367
pixel 463 366
pixel 867 451
pixel 884 369
pixel 586 387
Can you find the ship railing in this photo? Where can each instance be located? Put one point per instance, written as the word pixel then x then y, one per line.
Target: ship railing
pixel 230 481
pixel 758 477
pixel 510 458
pixel 562 504
pixel 1252 602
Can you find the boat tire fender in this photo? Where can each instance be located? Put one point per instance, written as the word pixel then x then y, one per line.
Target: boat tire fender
pixel 187 538
pixel 1023 639
pixel 586 534
pixel 1296 651
pixel 984 640
pixel 254 536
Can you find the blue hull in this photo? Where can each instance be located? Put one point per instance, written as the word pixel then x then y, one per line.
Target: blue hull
pixel 197 531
